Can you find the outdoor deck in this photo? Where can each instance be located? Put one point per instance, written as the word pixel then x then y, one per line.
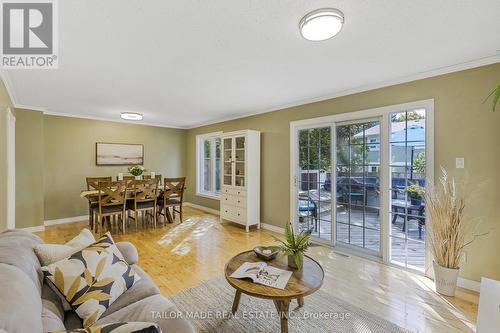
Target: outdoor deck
pixel 415 248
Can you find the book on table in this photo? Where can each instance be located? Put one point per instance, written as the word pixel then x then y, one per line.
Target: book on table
pixel 262 273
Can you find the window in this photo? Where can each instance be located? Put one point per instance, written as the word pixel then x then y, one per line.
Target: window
pixel 208 163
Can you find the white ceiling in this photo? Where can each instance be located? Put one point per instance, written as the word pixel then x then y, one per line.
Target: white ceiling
pixel 189 62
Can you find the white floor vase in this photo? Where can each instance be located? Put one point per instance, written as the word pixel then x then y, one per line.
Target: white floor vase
pixel 445 279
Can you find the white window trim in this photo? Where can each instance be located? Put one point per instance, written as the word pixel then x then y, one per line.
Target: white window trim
pixel 199 165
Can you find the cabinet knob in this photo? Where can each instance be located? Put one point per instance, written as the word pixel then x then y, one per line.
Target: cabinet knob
pixel 238 214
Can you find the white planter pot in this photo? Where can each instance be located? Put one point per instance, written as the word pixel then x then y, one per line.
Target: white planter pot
pixel 445 279
pixel 138 177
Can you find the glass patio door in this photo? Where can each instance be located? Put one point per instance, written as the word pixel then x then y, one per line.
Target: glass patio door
pixel 357 167
pixel 314 183
pixel 358 181
pixel 352 214
pixel 407 183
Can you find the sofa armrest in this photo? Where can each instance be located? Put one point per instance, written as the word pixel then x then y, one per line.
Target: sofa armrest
pixel 129 252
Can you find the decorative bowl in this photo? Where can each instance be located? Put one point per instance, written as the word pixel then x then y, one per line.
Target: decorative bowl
pixel 266 252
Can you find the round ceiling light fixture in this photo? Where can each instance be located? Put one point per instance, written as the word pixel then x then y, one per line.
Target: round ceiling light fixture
pixel 131 116
pixel 321 24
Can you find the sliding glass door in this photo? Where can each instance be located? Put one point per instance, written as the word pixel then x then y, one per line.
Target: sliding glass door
pixel 314 199
pixel 407 175
pixel 357 167
pixel 358 181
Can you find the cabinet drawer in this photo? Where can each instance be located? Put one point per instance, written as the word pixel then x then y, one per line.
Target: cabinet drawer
pixel 232 191
pixel 233 213
pixel 233 200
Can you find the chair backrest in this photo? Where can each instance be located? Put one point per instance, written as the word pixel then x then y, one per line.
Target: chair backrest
pixel 157 177
pixel 112 193
pixel 145 190
pixel 93 181
pixel 174 187
pixel 127 178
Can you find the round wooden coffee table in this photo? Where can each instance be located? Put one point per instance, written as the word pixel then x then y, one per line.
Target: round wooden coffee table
pixel 302 283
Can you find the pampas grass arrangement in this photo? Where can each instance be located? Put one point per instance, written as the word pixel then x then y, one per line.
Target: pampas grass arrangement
pixel 448 231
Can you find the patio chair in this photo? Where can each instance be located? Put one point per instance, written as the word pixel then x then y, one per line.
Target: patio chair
pixel 309 207
pixel 415 212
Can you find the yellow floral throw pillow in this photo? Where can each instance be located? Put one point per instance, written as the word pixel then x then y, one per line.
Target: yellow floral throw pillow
pixel 92 279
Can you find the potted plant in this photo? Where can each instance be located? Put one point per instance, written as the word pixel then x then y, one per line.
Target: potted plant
pixel 415 193
pixel 137 171
pixel 294 246
pixel 496 97
pixel 447 232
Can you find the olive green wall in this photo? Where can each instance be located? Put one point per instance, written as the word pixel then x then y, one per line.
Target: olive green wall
pixel 5 102
pixel 464 127
pixel 69 156
pixel 29 168
pixel 55 154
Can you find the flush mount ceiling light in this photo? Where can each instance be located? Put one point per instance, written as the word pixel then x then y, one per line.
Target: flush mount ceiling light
pixel 321 24
pixel 131 116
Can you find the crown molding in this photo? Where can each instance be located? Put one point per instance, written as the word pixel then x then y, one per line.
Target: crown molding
pixel 46 111
pixel 121 121
pixel 414 77
pixel 8 86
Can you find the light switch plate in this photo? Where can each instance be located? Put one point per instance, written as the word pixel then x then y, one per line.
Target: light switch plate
pixel 460 163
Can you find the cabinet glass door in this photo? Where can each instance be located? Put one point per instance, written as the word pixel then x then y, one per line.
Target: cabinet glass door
pixel 239 161
pixel 228 161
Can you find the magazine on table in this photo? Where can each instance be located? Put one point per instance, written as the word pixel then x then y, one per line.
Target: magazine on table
pixel 264 274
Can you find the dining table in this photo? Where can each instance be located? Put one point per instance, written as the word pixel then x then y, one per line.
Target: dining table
pixel 92 195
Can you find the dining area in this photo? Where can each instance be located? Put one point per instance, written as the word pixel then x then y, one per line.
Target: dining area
pixel 129 202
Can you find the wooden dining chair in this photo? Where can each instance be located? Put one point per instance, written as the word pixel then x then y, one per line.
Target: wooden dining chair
pixel 157 177
pixel 92 183
pixel 172 196
pixel 144 194
pixel 128 180
pixel 112 203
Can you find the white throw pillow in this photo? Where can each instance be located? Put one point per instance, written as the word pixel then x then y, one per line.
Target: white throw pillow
pixel 84 239
pixel 50 253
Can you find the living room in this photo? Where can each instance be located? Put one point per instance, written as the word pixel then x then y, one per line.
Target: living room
pixel 169 147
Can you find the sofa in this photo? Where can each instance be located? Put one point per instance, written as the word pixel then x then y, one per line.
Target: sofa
pixel 29 305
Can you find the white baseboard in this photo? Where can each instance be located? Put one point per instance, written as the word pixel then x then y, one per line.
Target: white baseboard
pixel 265 226
pixel 67 220
pixel 34 229
pixel 57 221
pixel 203 208
pixel 271 227
pixel 469 284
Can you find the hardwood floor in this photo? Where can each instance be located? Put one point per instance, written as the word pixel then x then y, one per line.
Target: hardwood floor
pixel 179 256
